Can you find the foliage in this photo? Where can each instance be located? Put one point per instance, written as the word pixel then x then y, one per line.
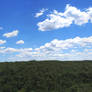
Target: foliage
pixel 46 76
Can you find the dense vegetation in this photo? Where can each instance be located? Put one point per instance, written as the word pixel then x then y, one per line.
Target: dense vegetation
pixel 45 76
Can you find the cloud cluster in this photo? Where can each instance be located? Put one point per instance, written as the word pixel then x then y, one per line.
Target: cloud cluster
pixel 71 15
pixel 74 48
pixel 62 48
pixel 11 34
pixel 40 13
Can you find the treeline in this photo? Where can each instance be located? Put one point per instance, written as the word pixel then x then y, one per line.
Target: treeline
pixel 46 76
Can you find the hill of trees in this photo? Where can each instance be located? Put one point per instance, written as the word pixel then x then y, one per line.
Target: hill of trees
pixel 46 76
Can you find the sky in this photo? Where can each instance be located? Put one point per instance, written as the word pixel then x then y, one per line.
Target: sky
pixel 45 30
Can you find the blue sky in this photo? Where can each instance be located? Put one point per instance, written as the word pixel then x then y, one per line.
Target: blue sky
pixel 45 29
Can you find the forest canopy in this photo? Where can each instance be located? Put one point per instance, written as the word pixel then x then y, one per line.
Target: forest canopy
pixel 46 76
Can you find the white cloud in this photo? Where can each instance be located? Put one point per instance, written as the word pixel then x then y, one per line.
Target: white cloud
pixel 54 22
pixel 70 49
pixel 57 46
pixel 2 41
pixel 71 15
pixel 89 11
pixel 40 13
pixel 79 17
pixel 13 50
pixel 76 48
pixel 20 42
pixel 11 34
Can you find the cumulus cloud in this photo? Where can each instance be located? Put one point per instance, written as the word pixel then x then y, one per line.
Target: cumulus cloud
pixel 2 41
pixel 20 42
pixel 11 34
pixel 89 11
pixel 61 45
pixel 71 15
pixel 70 49
pixel 40 13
